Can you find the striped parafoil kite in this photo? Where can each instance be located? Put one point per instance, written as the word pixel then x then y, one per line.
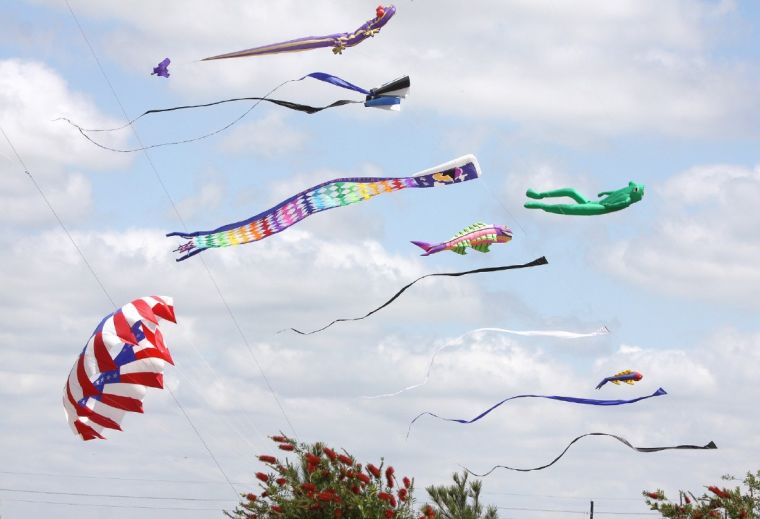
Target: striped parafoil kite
pixel 125 355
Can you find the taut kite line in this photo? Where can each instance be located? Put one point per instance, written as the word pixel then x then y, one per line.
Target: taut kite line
pixel 622 440
pixel 570 399
pixel 327 195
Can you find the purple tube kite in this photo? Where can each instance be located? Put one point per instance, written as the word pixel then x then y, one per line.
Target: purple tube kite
pixel 338 41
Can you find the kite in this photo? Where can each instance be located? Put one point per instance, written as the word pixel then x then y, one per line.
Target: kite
pixel 622 440
pixel 162 69
pixel 612 201
pixel 327 195
pixel 559 334
pixel 627 376
pixel 478 236
pixel 571 399
pixel 125 355
pixel 339 41
pixel 536 262
pixel 387 97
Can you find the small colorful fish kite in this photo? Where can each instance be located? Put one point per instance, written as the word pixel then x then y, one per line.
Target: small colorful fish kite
pixel 709 446
pixel 627 376
pixel 478 236
pixel 339 41
pixel 387 97
pixel 613 201
pixel 125 355
pixel 535 263
pixel 327 195
pixel 557 334
pixel 570 399
pixel 162 69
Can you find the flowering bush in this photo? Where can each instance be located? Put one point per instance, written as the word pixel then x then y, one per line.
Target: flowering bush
pixel 322 484
pixel 716 502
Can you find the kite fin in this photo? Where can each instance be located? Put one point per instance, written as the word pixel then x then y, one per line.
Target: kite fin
pixel 459 250
pixel 482 248
pixel 629 382
pixel 532 193
pixel 616 382
pixel 424 246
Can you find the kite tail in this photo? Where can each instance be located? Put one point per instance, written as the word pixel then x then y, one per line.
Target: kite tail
pixel 424 246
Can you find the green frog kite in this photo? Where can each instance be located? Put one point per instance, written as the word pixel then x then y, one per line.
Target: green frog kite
pixel 612 201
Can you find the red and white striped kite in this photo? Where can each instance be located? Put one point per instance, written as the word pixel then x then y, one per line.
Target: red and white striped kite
pixel 125 355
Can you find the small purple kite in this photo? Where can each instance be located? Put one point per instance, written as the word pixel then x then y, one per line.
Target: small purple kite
pixel 162 69
pixel 338 41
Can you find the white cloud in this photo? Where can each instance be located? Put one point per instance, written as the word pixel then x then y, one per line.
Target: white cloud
pixel 704 243
pixel 31 96
pixel 267 137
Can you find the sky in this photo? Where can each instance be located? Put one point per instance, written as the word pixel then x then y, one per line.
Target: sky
pixel 589 94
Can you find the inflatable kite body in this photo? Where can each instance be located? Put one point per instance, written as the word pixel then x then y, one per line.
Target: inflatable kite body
pixel 339 41
pixel 613 201
pixel 162 69
pixel 125 355
pixel 478 236
pixel 627 376
pixel 327 195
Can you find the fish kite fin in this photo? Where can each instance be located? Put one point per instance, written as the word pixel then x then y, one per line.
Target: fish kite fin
pixel 469 229
pixel 629 382
pixel 424 246
pixel 616 382
pixel 482 247
pixel 459 250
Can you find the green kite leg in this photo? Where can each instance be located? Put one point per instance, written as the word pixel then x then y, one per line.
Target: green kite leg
pixel 587 209
pixel 565 191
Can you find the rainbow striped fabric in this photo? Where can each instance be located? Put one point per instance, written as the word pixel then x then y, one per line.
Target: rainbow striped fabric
pixel 327 195
pixel 125 355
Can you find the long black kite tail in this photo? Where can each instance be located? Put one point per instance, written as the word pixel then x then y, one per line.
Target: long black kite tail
pixel 622 440
pixel 536 262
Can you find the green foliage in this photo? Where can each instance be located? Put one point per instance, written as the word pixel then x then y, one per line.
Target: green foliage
pixel 717 502
pixel 323 484
pixel 460 500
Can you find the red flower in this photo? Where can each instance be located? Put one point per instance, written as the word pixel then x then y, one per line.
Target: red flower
pixel 345 459
pixel 385 496
pixel 407 482
pixel 277 508
pixel 251 497
pixel 402 493
pixel 338 512
pixel 309 486
pixel 326 496
pixel 389 513
pixel 393 501
pixel 311 468
pixel 268 459
pixel 355 490
pixel 279 439
pixel 281 481
pixel 286 447
pixel 718 492
pixel 330 453
pixel 654 495
pixel 373 470
pixel 312 458
pixel 363 478
pixel 261 476
pixel 264 493
pixel 428 511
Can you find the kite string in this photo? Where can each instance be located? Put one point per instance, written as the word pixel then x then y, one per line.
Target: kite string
pixel 179 216
pixel 58 218
pixel 103 288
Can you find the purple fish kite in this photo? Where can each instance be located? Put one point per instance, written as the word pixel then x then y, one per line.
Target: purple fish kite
pixel 339 41
pixel 162 69
pixel 478 236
